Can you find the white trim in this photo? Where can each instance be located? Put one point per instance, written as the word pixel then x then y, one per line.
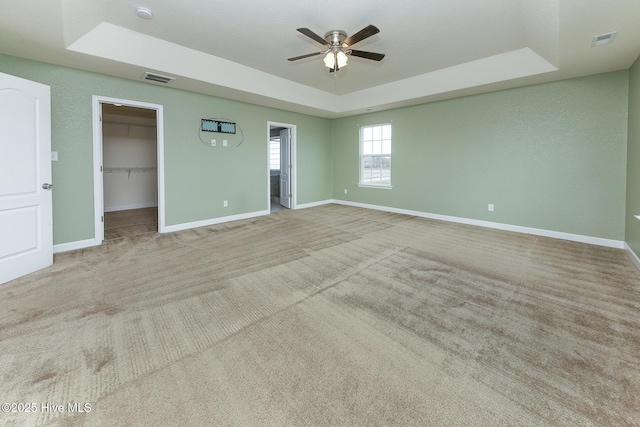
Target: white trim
pixel 213 221
pixel 98 188
pixel 619 244
pixel 72 246
pixel 634 256
pixel 129 207
pixel 360 156
pixel 314 204
pixel 294 168
pixel 381 187
pixel 98 199
pixel 81 244
pixel 518 229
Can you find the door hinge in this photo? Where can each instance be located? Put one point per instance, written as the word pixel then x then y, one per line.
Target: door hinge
pixel 290 195
pixel 100 168
pixel 102 218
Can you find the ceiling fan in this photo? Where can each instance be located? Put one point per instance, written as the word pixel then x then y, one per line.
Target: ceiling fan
pixel 335 57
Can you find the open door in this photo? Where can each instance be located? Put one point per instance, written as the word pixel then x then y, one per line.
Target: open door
pixel 26 226
pixel 285 168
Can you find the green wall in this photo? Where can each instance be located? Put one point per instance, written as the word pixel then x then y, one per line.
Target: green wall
pixel 549 156
pixel 197 178
pixel 632 236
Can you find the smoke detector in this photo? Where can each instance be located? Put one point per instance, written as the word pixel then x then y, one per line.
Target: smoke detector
pixel 144 13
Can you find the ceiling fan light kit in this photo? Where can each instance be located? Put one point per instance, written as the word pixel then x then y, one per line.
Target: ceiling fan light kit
pixel 337 41
pixel 334 57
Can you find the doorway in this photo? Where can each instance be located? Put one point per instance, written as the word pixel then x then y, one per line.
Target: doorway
pixel 128 141
pixel 281 167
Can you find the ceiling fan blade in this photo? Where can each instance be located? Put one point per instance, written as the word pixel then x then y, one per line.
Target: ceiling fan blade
pixel 295 58
pixel 367 55
pixel 307 32
pixel 362 34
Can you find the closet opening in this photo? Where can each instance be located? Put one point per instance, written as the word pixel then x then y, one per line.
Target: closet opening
pixel 130 170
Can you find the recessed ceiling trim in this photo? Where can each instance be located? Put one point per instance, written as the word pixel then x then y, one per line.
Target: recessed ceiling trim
pixel 127 46
pixel 507 66
pixel 123 45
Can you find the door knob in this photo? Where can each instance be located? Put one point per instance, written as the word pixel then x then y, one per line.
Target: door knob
pixel 47 186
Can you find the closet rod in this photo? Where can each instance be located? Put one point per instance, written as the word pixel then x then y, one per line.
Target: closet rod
pixel 133 169
pixel 130 124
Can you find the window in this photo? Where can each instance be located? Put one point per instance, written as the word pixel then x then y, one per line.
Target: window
pixel 375 155
pixel 274 154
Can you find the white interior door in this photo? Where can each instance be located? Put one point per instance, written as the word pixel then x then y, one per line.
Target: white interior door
pixel 26 233
pixel 285 168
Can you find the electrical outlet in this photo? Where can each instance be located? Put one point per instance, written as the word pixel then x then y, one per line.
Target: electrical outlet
pixel 225 203
pixel 213 142
pixel 345 191
pixel 490 207
pixel 224 142
pixel 54 156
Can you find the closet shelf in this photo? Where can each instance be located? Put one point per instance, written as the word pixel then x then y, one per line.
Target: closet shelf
pixel 130 169
pixel 128 124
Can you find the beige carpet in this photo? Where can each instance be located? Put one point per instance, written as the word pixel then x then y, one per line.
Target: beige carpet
pixel 322 317
pixel 130 222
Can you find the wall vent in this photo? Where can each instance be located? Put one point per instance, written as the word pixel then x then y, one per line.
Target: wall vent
pixel 603 39
pixel 158 78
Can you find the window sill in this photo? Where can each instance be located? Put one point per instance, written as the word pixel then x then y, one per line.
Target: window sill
pixel 381 187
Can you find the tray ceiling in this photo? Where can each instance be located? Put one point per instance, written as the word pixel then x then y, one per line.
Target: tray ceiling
pixel 435 49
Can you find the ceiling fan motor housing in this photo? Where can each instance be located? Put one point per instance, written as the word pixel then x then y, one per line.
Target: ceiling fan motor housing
pixel 335 37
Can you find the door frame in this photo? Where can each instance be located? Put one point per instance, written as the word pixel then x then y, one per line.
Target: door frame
pixel 294 169
pixel 98 184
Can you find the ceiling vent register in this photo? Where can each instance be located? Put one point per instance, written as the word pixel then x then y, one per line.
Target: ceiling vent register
pixel 158 78
pixel 603 39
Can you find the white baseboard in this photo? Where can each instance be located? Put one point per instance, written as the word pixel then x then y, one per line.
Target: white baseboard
pixel 213 221
pixel 619 244
pixel 128 207
pixel 487 224
pixel 81 244
pixel 314 204
pixel 72 246
pixel 634 256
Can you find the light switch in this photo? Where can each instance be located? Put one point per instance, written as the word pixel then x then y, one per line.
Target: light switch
pixel 54 156
pixel 224 142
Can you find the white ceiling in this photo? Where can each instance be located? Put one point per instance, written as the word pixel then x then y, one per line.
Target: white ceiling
pixel 238 49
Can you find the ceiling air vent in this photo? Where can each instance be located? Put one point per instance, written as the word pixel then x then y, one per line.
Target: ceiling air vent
pixel 603 39
pixel 158 78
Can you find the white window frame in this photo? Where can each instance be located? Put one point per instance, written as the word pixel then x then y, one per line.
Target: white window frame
pixel 383 154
